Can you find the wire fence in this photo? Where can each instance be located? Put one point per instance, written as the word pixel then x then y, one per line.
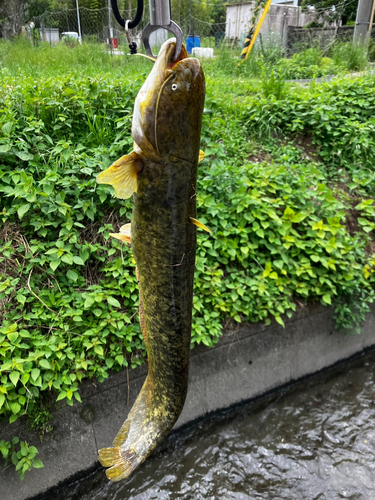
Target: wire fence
pixel 282 26
pixel 99 25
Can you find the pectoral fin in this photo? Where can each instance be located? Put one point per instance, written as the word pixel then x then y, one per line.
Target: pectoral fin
pixel 199 224
pixel 122 175
pixel 124 234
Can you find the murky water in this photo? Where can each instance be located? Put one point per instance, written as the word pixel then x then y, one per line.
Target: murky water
pixel 313 441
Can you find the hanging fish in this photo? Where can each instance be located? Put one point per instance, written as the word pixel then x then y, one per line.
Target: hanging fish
pixel 161 173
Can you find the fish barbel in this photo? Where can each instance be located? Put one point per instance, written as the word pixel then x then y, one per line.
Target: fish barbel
pixel 161 171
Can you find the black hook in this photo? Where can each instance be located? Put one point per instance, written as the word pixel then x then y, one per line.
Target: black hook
pixel 121 21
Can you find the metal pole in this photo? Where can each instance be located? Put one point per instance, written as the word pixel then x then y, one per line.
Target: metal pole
pixel 110 24
pixel 362 22
pixel 79 23
pixel 190 18
pixel 371 18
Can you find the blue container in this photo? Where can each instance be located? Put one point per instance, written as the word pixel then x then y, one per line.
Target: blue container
pixel 192 41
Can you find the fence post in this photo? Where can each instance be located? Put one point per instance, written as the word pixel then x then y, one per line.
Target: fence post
pixel 362 22
pixel 110 25
pixel 79 22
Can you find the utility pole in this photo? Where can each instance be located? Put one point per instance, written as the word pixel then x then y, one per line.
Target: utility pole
pixel 363 20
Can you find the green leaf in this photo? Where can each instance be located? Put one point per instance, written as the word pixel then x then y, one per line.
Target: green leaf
pixel 67 258
pixel 14 377
pixel 77 396
pixel 37 463
pixel 77 260
pixel 61 396
pixel 280 321
pixel 23 155
pixel 13 418
pixel 72 275
pixel 35 372
pixel 4 148
pixel 13 336
pixel 327 299
pixel 113 302
pixel 89 302
pixel 99 350
pixel 15 407
pixel 6 128
pixel 109 362
pixel 298 217
pixel 54 264
pixel 45 364
pixel 119 359
pixel 2 399
pixel 22 210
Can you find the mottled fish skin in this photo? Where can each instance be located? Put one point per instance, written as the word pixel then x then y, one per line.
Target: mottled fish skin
pixel 163 241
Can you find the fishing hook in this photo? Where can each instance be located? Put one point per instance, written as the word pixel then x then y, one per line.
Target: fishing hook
pixel 160 17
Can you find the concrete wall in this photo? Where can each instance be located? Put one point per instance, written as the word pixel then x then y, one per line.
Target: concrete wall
pixel 279 17
pixel 246 363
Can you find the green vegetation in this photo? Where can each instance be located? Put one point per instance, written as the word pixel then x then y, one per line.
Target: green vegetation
pixel 21 455
pixel 287 188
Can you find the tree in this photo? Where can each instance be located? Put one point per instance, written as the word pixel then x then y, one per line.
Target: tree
pixel 11 17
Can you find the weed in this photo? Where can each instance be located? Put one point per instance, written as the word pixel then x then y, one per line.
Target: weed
pixel 21 455
pixel 351 56
pixel 273 84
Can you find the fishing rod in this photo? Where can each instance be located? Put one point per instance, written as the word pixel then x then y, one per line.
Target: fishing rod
pixel 160 17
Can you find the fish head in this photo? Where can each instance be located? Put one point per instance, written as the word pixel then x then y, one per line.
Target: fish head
pixel 168 109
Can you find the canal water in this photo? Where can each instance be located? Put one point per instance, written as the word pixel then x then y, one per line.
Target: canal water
pixel 314 440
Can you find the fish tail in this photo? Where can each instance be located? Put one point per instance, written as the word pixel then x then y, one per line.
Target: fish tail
pixel 138 437
pixel 121 462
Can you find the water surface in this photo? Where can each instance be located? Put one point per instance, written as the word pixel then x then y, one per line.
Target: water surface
pixel 314 441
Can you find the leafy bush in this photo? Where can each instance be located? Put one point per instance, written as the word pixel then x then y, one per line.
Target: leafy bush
pixel 309 63
pixel 339 117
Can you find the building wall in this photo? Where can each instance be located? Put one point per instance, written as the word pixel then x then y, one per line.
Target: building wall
pixel 277 20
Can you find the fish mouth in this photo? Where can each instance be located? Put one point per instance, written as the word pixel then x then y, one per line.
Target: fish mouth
pixel 167 51
pixel 143 126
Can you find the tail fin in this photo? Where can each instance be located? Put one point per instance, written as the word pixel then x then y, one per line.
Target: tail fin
pixel 136 439
pixel 148 422
pixel 121 462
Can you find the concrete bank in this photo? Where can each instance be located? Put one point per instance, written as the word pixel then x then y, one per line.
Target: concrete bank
pixel 245 363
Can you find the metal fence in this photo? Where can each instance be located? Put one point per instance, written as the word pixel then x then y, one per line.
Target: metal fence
pixel 96 25
pixel 99 25
pixel 298 38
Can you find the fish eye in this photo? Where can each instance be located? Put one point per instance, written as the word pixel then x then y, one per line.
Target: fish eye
pixel 174 86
